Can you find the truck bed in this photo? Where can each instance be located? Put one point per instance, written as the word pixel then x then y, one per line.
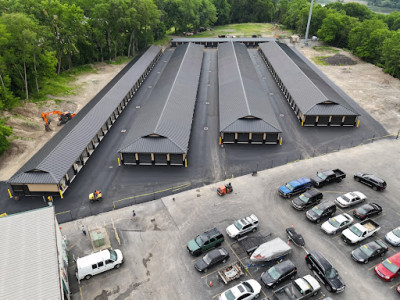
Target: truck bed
pixel 370 225
pixel 339 173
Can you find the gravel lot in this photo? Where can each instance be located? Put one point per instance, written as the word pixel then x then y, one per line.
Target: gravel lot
pixel 157 265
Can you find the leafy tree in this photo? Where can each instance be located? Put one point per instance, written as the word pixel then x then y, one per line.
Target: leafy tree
pixel 335 28
pixel 391 54
pixel 358 11
pixel 223 11
pixel 5 132
pixel 282 8
pixel 365 39
pixel 294 13
pixel 393 20
pixel 263 10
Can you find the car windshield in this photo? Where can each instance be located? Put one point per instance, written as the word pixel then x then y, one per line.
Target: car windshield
pixel 207 259
pixel 321 175
pixel 304 198
pixel 390 266
pixel 199 240
pixel 367 251
pixel 229 295
pixel 317 210
pixel 289 186
pixel 238 225
pixel 361 210
pixel 113 255
pixel 248 286
pixel 331 273
pixel 333 222
pixel 273 272
pixel 355 230
pixel 345 198
pixel 396 232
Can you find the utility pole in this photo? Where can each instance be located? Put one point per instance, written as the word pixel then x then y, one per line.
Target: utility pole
pixel 308 23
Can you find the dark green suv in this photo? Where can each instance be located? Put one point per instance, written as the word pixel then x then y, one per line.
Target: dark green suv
pixel 205 241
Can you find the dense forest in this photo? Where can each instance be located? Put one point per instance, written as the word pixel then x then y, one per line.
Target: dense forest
pixel 40 39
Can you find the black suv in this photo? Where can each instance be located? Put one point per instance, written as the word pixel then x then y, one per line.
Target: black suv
pixel 377 184
pixel 307 199
pixel 325 272
pixel 205 241
pixel 321 211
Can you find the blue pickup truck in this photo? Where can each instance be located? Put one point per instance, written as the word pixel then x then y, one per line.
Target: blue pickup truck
pixel 295 187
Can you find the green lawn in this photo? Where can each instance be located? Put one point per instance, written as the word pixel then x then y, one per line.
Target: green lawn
pixel 243 29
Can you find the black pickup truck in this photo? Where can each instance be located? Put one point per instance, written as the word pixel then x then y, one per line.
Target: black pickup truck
pixel 325 177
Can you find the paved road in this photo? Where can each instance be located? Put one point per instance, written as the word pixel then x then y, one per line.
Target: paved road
pixel 208 162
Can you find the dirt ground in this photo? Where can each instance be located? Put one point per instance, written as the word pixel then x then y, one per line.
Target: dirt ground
pixel 29 134
pixel 377 92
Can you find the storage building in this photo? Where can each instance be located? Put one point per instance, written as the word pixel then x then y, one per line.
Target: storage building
pixel 33 257
pixel 245 111
pixel 160 134
pixel 214 42
pixel 313 98
pixel 54 167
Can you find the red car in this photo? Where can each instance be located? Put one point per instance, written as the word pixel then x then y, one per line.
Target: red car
pixel 389 268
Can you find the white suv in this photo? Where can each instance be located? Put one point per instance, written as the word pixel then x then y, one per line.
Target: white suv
pixel 242 226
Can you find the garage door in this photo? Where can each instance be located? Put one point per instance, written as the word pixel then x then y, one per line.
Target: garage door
pixel 336 121
pixel 160 159
pixel 323 121
pixel 243 138
pixel 349 121
pixel 257 138
pixel 309 121
pixel 229 138
pixel 272 138
pixel 129 158
pixel 145 159
pixel 176 159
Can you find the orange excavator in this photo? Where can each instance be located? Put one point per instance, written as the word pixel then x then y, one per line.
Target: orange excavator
pixel 63 118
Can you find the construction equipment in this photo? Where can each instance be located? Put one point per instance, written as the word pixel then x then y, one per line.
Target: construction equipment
pixel 95 196
pixel 225 189
pixel 63 118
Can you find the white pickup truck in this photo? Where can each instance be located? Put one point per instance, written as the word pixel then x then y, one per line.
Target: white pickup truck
pixel 360 231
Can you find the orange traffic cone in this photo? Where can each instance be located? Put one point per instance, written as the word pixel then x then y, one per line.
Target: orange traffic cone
pixel 210 284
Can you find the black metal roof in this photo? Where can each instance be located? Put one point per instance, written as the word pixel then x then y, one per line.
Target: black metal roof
pixel 51 163
pixel 308 96
pixel 165 120
pixel 243 105
pixel 222 40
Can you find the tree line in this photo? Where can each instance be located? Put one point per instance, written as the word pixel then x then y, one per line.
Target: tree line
pixel 42 38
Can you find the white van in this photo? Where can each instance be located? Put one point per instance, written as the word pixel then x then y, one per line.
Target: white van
pixel 99 262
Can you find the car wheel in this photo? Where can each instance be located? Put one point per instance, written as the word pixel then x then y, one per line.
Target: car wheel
pixel 256 296
pixel 328 288
pixel 224 261
pixel 87 277
pixel 318 221
pixel 382 254
pixel 366 261
pixel 357 179
pixel 117 266
pixel 334 232
pixel 374 188
pixel 254 229
pixel 292 276
pixel 205 270
pixel 273 286
pixel 379 212
pixel 309 266
pixel 339 180
pixel 315 293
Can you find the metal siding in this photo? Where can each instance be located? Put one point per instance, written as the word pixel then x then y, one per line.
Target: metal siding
pixel 271 137
pixel 129 158
pixel 323 121
pixel 243 137
pixel 169 110
pixel 29 266
pixel 57 156
pixel 350 120
pixel 336 120
pixel 310 120
pixel 160 159
pixel 229 137
pixel 145 158
pixel 241 94
pixel 257 137
pixel 176 159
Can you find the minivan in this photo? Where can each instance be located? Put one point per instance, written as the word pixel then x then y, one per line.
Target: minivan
pixel 321 211
pixel 98 262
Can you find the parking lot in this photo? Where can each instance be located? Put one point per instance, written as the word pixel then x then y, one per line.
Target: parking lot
pixel 158 266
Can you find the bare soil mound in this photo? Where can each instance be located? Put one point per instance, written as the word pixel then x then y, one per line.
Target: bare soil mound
pixel 339 60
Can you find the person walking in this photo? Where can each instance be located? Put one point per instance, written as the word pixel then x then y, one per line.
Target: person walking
pixel 83 229
pixel 133 214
